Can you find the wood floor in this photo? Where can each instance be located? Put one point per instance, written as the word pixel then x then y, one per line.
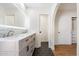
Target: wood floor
pixel 65 50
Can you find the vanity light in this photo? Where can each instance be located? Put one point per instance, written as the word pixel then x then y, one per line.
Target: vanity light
pixel 14 27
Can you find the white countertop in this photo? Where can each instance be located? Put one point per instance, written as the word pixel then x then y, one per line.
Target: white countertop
pixel 17 37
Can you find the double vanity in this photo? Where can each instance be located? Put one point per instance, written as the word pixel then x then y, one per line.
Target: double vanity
pixel 18 45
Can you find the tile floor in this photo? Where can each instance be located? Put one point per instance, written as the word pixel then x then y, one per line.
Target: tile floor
pixel 43 50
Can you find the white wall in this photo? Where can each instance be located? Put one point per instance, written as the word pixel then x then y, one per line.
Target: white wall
pixel 78 29
pixel 51 25
pixel 19 19
pixel 2 14
pixel 64 19
pixel 34 23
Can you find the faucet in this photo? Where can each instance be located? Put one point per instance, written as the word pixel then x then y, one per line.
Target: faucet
pixel 4 35
pixel 10 33
pixel 25 31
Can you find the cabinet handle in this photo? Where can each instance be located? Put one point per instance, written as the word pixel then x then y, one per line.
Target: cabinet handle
pixel 31 36
pixel 27 48
pixel 27 40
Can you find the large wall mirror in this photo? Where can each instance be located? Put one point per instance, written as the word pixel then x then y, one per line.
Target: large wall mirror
pixel 12 16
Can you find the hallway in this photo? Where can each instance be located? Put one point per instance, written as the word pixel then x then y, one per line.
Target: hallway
pixel 65 50
pixel 43 50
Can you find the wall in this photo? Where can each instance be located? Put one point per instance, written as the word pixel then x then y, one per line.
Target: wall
pixel 51 25
pixel 78 29
pixel 2 14
pixel 34 23
pixel 19 19
pixel 64 20
pixel 56 26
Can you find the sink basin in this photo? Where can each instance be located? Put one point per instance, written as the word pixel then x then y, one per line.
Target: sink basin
pixel 17 37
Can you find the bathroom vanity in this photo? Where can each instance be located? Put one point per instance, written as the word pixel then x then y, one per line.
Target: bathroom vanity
pixel 18 45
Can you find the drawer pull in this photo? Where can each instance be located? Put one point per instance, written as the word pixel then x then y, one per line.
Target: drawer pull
pixel 31 36
pixel 27 40
pixel 27 48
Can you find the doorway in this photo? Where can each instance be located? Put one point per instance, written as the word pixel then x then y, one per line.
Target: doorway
pixel 65 30
pixel 44 50
pixel 43 28
pixel 74 30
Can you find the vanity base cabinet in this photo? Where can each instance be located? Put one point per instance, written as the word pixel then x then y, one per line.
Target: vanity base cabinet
pixel 27 45
pixel 23 52
pixel 8 48
pixel 22 47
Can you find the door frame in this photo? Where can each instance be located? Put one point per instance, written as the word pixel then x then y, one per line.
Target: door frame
pixel 76 29
pixel 40 29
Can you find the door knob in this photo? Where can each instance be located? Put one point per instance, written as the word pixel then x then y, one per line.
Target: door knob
pixel 40 32
pixel 58 32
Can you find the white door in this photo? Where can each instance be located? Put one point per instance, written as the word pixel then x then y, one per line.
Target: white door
pixel 64 31
pixel 44 27
pixel 61 33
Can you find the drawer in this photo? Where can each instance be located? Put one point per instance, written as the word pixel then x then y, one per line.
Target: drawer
pixel 32 45
pixel 33 36
pixel 23 52
pixel 28 41
pixel 30 52
pixel 23 43
pixel 8 53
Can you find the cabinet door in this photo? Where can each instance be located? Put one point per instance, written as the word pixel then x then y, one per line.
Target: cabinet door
pixel 22 44
pixel 31 45
pixel 23 52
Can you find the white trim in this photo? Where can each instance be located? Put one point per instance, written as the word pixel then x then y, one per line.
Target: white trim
pixel 6 26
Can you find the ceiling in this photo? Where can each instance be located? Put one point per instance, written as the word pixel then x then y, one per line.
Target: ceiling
pixel 68 6
pixel 11 6
pixel 38 5
pixel 63 6
pixel 7 6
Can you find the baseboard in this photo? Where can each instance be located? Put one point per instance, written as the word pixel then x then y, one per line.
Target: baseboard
pixel 63 44
pixel 74 42
pixel 53 51
pixel 38 46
